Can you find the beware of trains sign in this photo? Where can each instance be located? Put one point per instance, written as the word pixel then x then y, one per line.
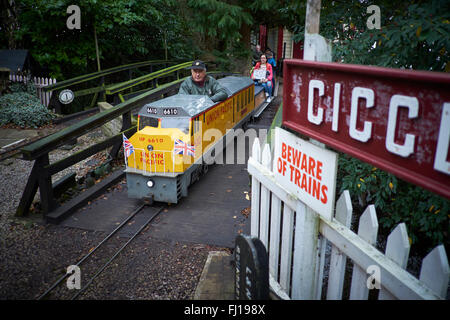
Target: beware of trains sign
pixel 397 120
pixel 306 170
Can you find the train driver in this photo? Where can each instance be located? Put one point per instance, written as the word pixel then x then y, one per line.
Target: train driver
pixel 202 84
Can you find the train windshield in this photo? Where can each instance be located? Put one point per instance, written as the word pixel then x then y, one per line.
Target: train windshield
pixel 180 123
pixel 147 122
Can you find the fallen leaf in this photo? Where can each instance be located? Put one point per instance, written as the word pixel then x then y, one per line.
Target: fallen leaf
pixel 247 197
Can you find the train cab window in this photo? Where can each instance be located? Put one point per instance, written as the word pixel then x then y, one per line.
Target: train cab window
pixel 147 122
pixel 180 123
pixel 196 125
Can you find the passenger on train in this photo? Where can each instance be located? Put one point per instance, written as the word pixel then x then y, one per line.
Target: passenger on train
pixel 256 54
pixel 271 60
pixel 262 76
pixel 202 84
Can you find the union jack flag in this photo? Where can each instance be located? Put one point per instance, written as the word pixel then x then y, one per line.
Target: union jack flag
pixel 184 148
pixel 127 146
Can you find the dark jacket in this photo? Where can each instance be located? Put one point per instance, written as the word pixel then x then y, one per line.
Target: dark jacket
pixel 211 88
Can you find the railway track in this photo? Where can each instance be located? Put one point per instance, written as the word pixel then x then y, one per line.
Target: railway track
pixel 85 284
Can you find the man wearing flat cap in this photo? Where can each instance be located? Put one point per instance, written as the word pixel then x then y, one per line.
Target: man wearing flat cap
pixel 202 84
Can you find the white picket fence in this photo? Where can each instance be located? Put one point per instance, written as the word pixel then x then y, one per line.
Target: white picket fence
pixel 296 239
pixel 39 82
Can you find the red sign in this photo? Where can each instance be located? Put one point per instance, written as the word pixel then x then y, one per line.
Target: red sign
pixel 397 120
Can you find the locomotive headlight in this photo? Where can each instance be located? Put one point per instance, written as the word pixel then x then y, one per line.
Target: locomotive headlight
pixel 150 147
pixel 150 183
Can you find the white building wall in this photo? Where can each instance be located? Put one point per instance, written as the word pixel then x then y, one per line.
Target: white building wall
pixel 287 38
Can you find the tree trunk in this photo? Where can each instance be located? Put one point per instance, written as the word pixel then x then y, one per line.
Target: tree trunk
pixel 10 22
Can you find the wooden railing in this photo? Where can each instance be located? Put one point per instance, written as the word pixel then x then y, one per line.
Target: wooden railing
pixel 100 90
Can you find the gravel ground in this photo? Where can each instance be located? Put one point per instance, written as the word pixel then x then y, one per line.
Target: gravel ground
pixel 33 255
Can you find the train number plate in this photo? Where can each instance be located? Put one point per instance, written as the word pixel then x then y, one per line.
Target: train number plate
pixel 170 111
pixel 152 110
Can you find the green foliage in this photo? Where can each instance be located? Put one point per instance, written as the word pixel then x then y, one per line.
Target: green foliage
pixel 23 87
pixel 227 60
pixel 412 35
pixel 219 27
pixel 23 108
pixel 127 31
pixel 219 19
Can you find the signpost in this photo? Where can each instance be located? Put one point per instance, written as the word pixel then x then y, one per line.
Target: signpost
pixel 306 170
pixel 252 269
pixel 397 120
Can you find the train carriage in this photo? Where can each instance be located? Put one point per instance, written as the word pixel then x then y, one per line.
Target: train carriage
pixel 177 136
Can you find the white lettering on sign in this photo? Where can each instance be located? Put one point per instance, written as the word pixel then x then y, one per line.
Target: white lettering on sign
pixel 368 94
pixel 440 161
pixel 396 101
pixel 316 119
pixel 336 98
pixel 306 170
pixel 413 110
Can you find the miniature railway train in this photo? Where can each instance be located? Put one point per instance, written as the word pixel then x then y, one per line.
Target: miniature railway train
pixel 177 137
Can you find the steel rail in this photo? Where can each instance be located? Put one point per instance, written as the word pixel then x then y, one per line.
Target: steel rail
pixel 93 250
pixel 116 254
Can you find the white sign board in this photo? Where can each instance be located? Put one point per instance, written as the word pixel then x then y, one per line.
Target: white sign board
pixel 306 170
pixel 259 74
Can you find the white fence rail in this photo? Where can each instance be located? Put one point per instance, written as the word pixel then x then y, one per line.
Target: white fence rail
pixel 296 239
pixel 39 82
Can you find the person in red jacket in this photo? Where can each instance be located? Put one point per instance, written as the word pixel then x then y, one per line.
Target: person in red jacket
pixel 262 76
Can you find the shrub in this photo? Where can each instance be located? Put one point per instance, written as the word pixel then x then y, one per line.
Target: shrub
pixel 29 88
pixel 23 108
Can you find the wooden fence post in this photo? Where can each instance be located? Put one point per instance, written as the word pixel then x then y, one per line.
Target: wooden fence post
pixel 305 253
pixel 435 271
pixel 338 259
pixel 368 231
pixel 256 186
pixel 45 184
pixel 265 200
pixel 286 248
pixel 397 249
pixel 275 222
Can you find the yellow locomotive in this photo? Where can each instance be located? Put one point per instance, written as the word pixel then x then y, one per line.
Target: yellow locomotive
pixel 177 136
